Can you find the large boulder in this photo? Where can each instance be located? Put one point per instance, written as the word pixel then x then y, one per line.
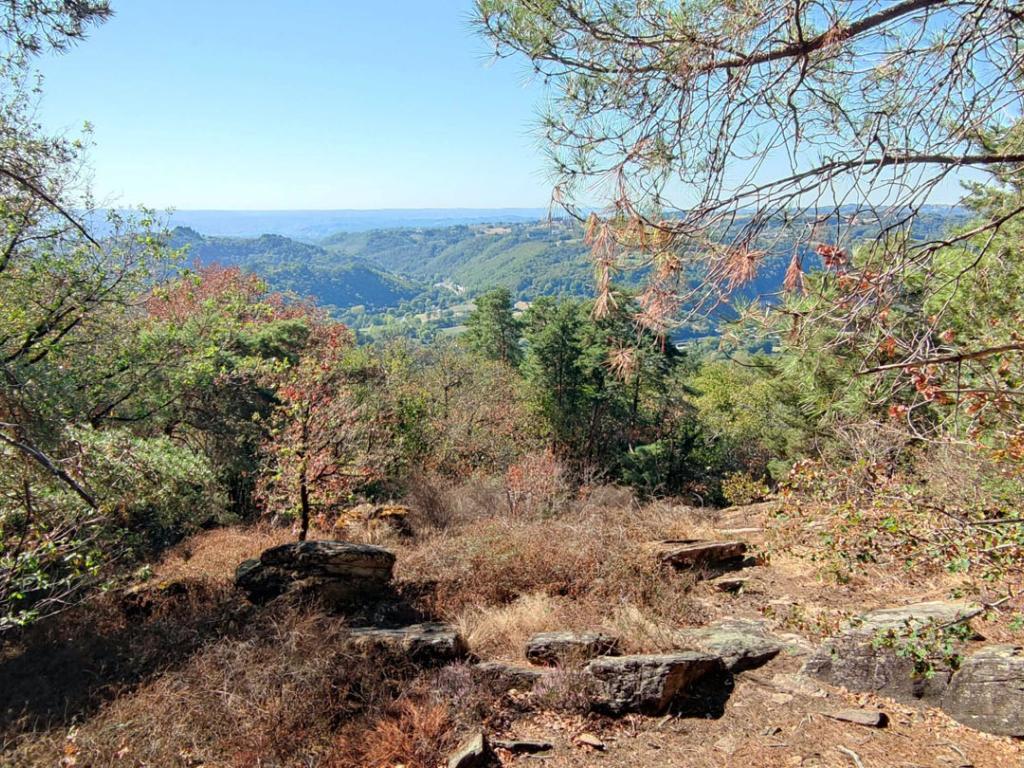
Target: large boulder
pixel 559 648
pixel 645 683
pixel 740 644
pixel 988 691
pixel 428 643
pixel 865 656
pixel 336 571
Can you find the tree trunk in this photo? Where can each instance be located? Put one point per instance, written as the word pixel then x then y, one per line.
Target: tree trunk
pixel 304 499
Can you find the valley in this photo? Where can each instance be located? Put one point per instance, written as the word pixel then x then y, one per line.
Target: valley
pixel 420 281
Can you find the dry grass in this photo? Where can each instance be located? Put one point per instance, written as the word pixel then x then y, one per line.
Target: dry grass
pixel 503 579
pixel 67 667
pixel 501 631
pixel 215 554
pixel 585 551
pixel 274 694
pixel 414 733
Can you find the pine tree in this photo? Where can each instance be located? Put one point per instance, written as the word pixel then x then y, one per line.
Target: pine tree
pixel 492 329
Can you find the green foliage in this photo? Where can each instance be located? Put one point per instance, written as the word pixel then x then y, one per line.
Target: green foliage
pixel 492 330
pixel 439 408
pixel 149 493
pixel 740 488
pixel 530 260
pixel 931 647
pixel 554 369
pixel 753 410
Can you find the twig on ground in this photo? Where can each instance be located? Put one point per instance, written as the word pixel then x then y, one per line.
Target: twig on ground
pixel 852 755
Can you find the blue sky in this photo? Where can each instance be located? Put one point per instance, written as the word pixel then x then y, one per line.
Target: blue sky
pixel 311 104
pixel 314 104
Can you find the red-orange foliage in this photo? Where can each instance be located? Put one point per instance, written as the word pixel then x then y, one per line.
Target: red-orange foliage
pixel 244 294
pixel 310 456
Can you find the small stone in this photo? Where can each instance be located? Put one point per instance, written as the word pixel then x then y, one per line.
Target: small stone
pixel 731 584
pixel 645 683
pixel 590 740
pixel 872 718
pixel 523 746
pixel 798 684
pixel 988 691
pixel 557 648
pixel 726 744
pixel 474 752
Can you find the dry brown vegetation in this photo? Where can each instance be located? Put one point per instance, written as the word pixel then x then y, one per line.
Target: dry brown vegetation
pixel 576 569
pixel 184 673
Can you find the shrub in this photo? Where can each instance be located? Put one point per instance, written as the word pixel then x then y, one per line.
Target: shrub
pixel 944 508
pixel 150 493
pixel 275 691
pixel 413 732
pixel 535 484
pixel 740 488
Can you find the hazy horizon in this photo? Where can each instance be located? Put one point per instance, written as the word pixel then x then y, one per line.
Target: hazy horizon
pixel 313 223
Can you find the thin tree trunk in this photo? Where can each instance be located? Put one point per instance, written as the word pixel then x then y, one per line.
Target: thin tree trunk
pixel 304 501
pixel 304 477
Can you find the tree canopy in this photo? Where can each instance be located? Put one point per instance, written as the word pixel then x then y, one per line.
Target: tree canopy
pixel 699 125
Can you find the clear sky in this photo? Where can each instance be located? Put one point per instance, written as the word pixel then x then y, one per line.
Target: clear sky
pixel 310 104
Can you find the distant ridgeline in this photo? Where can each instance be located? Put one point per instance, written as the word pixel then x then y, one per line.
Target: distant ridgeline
pixel 420 280
pixel 308 270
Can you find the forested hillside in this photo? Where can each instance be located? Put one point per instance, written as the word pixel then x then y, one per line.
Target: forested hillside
pixel 417 280
pixel 301 268
pixel 543 258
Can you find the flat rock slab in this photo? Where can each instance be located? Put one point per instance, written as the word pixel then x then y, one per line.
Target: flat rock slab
pixel 560 648
pixel 645 683
pixel 376 517
pixel 332 558
pixel 506 676
pixel 988 691
pixel 338 571
pixel 428 643
pixel 523 746
pixel 857 660
pixel 474 752
pixel 693 553
pixel 739 643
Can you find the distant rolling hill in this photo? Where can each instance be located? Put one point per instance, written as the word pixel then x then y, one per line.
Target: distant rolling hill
pixel 306 269
pixel 532 259
pixel 423 275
